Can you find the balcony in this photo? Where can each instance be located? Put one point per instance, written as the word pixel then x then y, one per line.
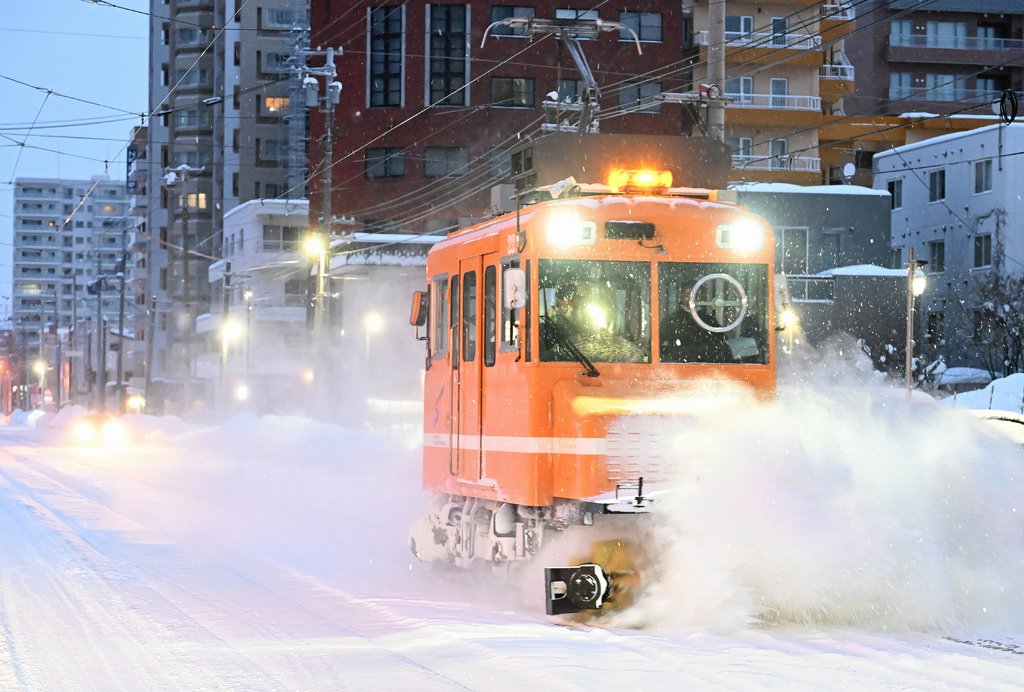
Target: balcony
pixel 837 72
pixel 841 12
pixel 800 164
pixel 957 50
pixel 765 47
pixel 835 81
pixel 772 109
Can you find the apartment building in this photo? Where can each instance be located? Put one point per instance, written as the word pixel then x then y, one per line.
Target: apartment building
pixel 225 121
pixel 786 68
pixel 430 107
pixel 956 202
pixel 66 271
pixel 945 56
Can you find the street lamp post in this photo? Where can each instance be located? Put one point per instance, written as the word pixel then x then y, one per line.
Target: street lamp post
pixel 373 322
pixel 915 287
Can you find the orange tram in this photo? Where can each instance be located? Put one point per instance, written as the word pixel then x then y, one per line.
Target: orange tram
pixel 553 334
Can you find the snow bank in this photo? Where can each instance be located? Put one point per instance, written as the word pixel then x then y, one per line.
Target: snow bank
pixel 1004 394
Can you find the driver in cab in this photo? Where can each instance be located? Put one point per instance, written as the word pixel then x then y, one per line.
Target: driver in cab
pixel 685 340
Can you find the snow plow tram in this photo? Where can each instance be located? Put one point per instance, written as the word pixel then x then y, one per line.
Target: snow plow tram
pixel 552 335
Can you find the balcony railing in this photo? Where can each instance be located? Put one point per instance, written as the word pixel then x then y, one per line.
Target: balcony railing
pixel 781 102
pixel 764 39
pixel 943 94
pixel 841 11
pixel 955 42
pixel 837 71
pixel 750 162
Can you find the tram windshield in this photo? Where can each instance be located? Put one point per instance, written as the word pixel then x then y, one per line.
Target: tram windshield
pixel 599 309
pixel 713 312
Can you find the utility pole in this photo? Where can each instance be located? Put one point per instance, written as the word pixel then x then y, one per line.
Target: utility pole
pixel 716 69
pixel 331 99
pixel 120 318
pixel 183 173
pixel 101 360
pixel 150 345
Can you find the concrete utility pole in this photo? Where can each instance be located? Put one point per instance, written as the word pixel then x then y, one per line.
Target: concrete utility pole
pixel 120 318
pixel 172 177
pixel 716 69
pixel 101 357
pixel 332 98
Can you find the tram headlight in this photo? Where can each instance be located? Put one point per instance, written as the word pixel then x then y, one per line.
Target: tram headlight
pixel 597 316
pixel 567 229
pixel 745 235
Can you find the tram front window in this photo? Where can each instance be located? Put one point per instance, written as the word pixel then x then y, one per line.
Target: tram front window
pixel 603 309
pixel 713 312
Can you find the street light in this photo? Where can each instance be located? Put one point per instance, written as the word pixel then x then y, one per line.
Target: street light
pixel 373 322
pixel 315 246
pixel 915 286
pixel 39 368
pixel 229 333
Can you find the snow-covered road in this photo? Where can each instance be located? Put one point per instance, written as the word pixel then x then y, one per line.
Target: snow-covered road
pixel 224 559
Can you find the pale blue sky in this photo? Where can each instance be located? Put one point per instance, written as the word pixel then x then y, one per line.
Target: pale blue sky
pixel 77 48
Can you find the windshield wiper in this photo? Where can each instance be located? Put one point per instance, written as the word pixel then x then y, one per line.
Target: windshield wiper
pixel 554 331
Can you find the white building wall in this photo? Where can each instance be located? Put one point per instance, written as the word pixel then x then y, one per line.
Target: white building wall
pixel 957 221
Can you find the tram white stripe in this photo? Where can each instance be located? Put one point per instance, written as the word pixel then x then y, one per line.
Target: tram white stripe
pixel 520 445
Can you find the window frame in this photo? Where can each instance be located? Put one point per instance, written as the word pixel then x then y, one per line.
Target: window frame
pixel 936 186
pixel 982 251
pixel 439 316
pixel 450 171
pixel 390 156
pixel 526 11
pixel 514 102
pixel 389 67
pixel 439 79
pixel 895 187
pixel 626 15
pixel 985 178
pixel 936 256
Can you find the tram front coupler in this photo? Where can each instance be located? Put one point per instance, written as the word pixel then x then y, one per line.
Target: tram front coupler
pixel 575 589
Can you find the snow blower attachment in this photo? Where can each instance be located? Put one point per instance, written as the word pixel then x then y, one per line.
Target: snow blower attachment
pixel 607 581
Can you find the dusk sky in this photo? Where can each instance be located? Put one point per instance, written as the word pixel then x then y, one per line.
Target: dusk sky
pixel 85 50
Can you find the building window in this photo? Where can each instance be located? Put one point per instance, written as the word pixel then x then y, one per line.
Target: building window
pixel 899 32
pixel 780 153
pixel 900 85
pixel 512 92
pixel 830 246
pixel 385 62
pixel 937 256
pixel 791 250
pixel 445 161
pixel 646 25
pixel 499 12
pixel 384 163
pixel 278 18
pixel 633 95
pixel 448 52
pixel 741 146
pixel 576 14
pixel 936 328
pixel 738 27
pixel 569 89
pixel 501 163
pixel 940 87
pixel 936 186
pixel 276 104
pixel 982 176
pixel 780 92
pixel 983 250
pixel 740 89
pixel 896 258
pixel 946 35
pixel 896 192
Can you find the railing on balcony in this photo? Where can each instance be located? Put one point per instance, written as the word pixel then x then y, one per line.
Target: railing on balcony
pixel 943 94
pixel 765 39
pixel 752 162
pixel 782 102
pixel 955 42
pixel 841 11
pixel 837 72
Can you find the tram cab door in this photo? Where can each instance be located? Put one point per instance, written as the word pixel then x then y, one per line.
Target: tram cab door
pixel 468 421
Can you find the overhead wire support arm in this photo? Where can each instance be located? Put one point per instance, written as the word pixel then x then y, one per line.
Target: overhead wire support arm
pixel 570 31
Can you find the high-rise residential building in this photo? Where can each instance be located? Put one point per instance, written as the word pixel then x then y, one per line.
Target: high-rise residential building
pixel 56 261
pixel 69 239
pixel 226 124
pixel 943 56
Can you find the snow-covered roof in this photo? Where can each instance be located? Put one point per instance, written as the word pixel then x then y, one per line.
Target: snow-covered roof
pixel 954 376
pixel 396 238
pixel 941 139
pixel 790 188
pixel 863 270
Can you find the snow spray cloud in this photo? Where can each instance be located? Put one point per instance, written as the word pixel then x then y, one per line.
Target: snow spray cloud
pixel 839 505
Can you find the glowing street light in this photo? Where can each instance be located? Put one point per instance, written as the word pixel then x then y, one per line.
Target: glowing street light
pixel 39 368
pixel 916 282
pixel 373 323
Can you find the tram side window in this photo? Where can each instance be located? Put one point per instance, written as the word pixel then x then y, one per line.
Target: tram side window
pixel 509 318
pixel 490 298
pixel 469 317
pixel 454 323
pixel 439 318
